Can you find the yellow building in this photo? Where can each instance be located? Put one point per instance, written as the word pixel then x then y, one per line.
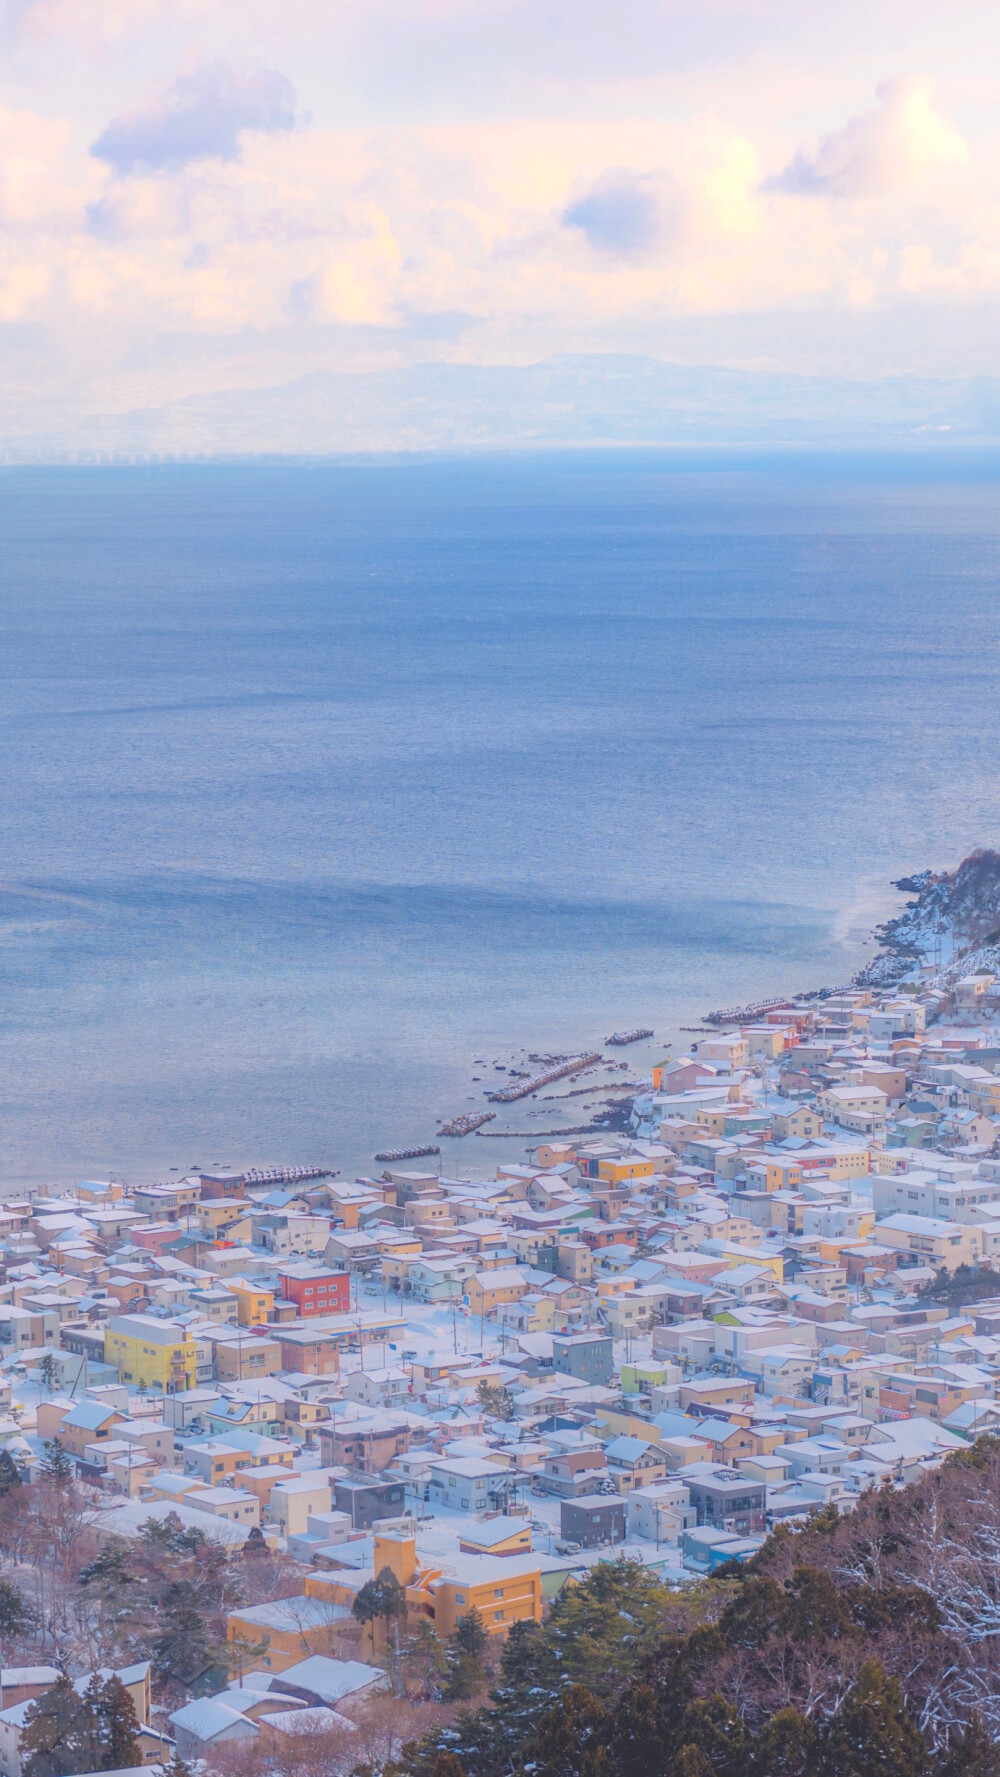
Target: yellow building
pixel 253 1305
pixel 729 1049
pixel 805 1121
pixel 227 1216
pixel 497 1536
pixel 732 1254
pixel 610 1288
pixel 150 1353
pixel 504 1589
pixel 621 1169
pixel 489 1290
pixel 939 1243
pixel 534 1314
pixel 290 1629
pixel 837 1160
pixel 782 1175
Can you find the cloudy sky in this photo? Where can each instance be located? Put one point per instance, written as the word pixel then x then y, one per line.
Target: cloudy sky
pixel 218 194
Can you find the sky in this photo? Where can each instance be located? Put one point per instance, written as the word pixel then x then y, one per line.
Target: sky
pixel 202 195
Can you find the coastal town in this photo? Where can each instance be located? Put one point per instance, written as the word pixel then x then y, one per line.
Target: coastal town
pixel 410 1401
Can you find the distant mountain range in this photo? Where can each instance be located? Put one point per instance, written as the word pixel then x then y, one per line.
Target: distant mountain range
pixel 568 401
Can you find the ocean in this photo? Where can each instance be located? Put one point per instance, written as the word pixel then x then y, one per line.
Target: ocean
pixel 329 790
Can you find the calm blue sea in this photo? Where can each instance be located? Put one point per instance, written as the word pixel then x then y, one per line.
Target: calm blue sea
pixel 321 784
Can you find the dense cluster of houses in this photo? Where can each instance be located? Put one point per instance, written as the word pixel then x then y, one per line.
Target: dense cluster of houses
pixel 659 1343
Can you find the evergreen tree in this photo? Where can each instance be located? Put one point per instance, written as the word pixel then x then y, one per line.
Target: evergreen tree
pixel 571 1738
pixel 55 1465
pixel 15 1613
pixel 177 1767
pixel 447 1765
pixel 181 1650
pixel 168 1535
pixel 715 1726
pixel 111 1568
pixel 787 1746
pixel 10 1474
pixel 118 1727
pixel 495 1400
pixel 15 1616
pixel 754 1611
pixel 691 1762
pixel 88 1739
pixel 255 1545
pixel 598 1630
pixel 54 1740
pixel 47 1372
pixel 528 1683
pixel 124 1617
pixel 815 1609
pixel 467 1646
pixel 382 1597
pixel 423 1659
pixel 872 1734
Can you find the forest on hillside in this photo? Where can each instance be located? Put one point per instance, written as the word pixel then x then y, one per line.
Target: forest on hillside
pixel 858 1646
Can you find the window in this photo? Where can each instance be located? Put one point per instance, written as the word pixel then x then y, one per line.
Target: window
pixel 498 1616
pixel 459 1597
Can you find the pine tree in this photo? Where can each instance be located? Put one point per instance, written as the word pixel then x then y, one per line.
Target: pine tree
pixel 55 1465
pixel 47 1372
pixel 111 1568
pixel 466 1665
pixel 119 1727
pixel 447 1765
pixel 598 1630
pixel 815 1608
pixel 10 1474
pixel 571 1739
pixel 177 1767
pixel 715 1726
pixel 754 1611
pixel 255 1545
pixel 528 1683
pixel 495 1400
pixel 88 1739
pixel 423 1659
pixel 470 1635
pixel 787 1745
pixel 872 1734
pixel 52 1743
pixel 15 1613
pixel 691 1762
pixel 382 1597
pixel 181 1650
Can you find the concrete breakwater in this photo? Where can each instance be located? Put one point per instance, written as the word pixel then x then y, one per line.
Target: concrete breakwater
pixel 507 1094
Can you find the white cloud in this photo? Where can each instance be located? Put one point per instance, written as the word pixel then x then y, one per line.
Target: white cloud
pixel 590 217
pixel 903 140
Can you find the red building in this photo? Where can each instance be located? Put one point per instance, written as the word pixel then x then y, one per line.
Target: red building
pixel 315 1289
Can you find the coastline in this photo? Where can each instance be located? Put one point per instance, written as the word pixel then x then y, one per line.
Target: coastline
pixel 443 1084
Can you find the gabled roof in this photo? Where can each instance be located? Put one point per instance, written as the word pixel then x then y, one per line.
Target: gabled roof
pixel 206 1718
pixel 329 1679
